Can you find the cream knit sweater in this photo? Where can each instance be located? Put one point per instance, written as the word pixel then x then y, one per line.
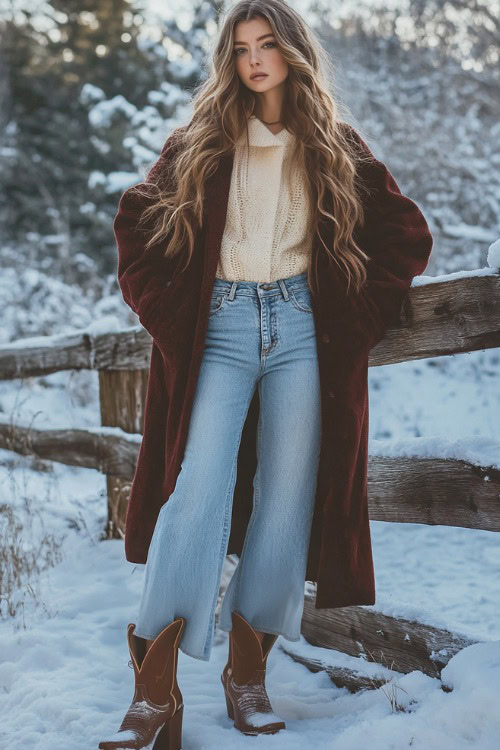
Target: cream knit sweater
pixel 265 232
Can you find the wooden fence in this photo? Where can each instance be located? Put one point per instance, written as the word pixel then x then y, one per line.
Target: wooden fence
pixel 451 316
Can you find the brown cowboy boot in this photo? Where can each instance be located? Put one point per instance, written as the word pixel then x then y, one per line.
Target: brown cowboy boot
pixel 154 718
pixel 244 677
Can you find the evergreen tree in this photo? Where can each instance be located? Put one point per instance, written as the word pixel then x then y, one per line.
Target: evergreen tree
pixel 46 131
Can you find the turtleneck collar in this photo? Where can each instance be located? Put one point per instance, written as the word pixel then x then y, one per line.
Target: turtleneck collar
pixel 260 135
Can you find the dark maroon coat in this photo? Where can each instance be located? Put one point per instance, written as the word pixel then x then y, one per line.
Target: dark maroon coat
pixel 174 308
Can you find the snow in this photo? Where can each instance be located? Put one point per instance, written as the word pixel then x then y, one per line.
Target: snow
pixel 64 674
pixel 465 231
pixel 118 182
pixel 260 719
pixel 481 451
pixel 134 437
pixel 494 255
pixel 103 112
pixel 102 430
pixel 104 325
pixel 65 679
pixel 486 271
pixel 125 734
pixel 91 94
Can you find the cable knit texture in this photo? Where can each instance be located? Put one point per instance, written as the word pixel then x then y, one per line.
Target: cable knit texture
pixel 265 235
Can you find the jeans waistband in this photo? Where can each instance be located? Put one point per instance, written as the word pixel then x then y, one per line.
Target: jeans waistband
pixel 262 288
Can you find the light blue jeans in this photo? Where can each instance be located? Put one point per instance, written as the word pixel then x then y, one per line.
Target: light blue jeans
pixel 259 335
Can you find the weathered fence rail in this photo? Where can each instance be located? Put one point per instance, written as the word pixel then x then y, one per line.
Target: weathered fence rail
pixel 451 316
pixel 396 643
pixel 434 491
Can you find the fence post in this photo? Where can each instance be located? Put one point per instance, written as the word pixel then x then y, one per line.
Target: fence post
pixel 122 395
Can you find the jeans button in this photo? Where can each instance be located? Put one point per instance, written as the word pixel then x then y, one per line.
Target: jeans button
pixel 266 286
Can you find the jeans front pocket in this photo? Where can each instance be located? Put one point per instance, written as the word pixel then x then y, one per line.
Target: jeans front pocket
pixel 217 302
pixel 301 299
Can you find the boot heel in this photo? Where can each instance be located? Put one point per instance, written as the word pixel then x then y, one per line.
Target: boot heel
pixel 170 737
pixel 229 705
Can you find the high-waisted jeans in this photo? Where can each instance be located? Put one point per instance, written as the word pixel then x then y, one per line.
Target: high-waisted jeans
pixel 259 335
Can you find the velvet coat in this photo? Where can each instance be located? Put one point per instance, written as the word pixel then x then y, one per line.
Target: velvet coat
pixel 174 307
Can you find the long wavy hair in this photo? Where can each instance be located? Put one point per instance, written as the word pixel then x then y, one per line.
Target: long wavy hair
pixel 222 105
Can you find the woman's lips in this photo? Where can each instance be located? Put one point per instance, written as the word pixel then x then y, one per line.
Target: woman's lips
pixel 259 77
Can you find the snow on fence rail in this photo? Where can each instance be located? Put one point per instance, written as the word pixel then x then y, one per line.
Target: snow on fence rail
pixel 440 316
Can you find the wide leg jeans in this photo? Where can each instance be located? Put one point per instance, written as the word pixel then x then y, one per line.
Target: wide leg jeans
pixel 260 335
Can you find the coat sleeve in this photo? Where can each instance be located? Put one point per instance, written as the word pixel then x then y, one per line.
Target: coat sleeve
pixel 143 275
pixel 395 236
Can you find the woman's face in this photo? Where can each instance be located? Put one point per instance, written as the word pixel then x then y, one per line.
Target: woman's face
pixel 255 51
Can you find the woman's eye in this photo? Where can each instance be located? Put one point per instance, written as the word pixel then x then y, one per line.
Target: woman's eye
pixel 242 49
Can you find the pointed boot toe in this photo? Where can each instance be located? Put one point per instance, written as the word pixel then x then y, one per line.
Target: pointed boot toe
pixel 154 718
pixel 243 679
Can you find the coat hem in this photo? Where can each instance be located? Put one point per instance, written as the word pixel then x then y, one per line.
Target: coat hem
pixel 326 602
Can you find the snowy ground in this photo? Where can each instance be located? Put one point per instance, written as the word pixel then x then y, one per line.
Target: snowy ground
pixel 64 678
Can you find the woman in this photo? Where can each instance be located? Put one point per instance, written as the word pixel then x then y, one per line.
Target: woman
pixel 280 250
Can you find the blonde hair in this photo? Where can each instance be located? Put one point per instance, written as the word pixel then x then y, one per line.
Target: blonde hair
pixel 222 106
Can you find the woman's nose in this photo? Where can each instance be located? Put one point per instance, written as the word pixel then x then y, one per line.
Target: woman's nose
pixel 254 57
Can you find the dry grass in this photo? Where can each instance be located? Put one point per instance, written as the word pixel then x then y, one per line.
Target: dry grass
pixel 26 550
pixel 390 689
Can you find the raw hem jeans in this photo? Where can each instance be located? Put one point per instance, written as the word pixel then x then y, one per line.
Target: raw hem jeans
pixel 259 335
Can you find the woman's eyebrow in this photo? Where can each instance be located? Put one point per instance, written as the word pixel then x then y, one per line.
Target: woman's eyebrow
pixel 258 38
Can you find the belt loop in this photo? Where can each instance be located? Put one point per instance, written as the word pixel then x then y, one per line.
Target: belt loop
pixel 284 290
pixel 232 291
